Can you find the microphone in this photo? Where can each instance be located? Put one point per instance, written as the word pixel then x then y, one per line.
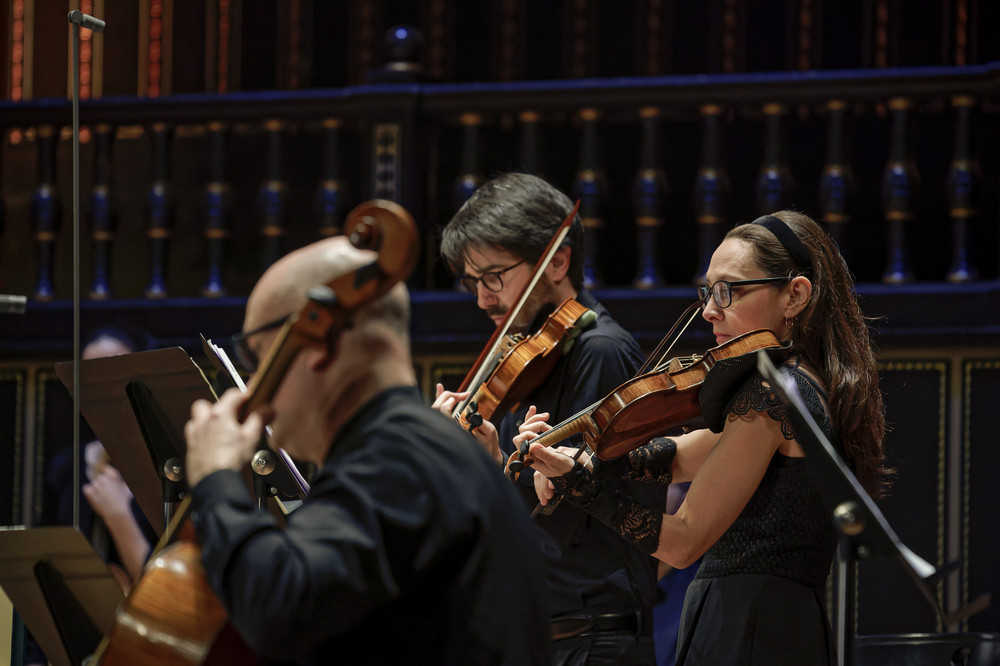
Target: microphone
pixel 86 21
pixel 12 304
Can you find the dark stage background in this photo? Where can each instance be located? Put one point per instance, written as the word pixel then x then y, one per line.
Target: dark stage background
pixel 220 134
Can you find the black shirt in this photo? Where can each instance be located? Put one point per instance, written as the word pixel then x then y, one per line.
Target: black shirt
pixel 589 564
pixel 409 550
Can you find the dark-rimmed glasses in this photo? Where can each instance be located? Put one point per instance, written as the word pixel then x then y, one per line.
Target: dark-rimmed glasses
pixel 722 290
pixel 244 354
pixel 490 280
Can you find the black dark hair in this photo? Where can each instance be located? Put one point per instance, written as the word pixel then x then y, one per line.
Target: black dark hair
pixel 518 213
pixel 832 334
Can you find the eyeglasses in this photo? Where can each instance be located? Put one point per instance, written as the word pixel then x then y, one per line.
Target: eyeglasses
pixel 722 290
pixel 491 280
pixel 244 354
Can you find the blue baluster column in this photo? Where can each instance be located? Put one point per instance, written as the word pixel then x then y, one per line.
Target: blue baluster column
pixel 273 197
pixel 899 181
pixel 963 185
pixel 46 214
pixel 774 181
pixel 330 194
pixel 159 212
pixel 710 188
pixel 589 187
pixel 529 152
pixel 216 207
pixel 649 191
pixel 469 180
pixel 836 180
pixel 102 213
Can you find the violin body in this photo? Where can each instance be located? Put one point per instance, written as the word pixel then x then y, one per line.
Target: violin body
pixel 646 406
pixel 526 365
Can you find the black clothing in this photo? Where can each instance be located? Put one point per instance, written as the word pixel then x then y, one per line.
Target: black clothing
pixel 758 593
pixel 589 565
pixel 407 551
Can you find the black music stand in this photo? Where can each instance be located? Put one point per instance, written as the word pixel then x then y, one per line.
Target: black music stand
pixel 863 529
pixel 142 397
pixel 61 588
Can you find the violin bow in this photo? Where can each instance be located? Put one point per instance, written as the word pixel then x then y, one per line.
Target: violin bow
pixel 475 375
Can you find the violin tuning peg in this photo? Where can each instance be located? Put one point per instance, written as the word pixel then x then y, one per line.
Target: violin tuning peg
pixel 475 420
pixel 473 407
pixel 514 468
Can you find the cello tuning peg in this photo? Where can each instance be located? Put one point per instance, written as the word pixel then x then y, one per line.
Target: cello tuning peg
pixel 323 296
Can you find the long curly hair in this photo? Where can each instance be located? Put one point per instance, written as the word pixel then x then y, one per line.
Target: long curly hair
pixel 832 335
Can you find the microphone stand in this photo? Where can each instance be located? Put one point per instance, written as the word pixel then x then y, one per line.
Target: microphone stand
pixel 78 19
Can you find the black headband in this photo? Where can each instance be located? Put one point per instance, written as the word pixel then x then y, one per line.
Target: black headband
pixel 787 238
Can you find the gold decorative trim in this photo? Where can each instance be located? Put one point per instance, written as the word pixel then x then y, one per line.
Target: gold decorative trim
pixel 17 376
pixel 41 380
pixel 471 119
pixel 967 462
pixel 941 367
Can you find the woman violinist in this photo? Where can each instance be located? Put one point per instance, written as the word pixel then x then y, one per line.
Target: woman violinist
pixel 752 512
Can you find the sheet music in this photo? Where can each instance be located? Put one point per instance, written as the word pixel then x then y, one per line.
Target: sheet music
pixel 286 506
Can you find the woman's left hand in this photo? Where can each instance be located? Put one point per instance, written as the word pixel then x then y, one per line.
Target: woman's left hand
pixel 549 462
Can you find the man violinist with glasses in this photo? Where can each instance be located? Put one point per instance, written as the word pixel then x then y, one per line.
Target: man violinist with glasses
pixel 601 591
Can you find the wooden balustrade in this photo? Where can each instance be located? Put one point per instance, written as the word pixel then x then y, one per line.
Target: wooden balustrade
pixel 388 125
pixel 590 187
pixel 159 212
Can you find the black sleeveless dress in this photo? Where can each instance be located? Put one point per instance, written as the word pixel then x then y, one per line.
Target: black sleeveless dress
pixel 758 597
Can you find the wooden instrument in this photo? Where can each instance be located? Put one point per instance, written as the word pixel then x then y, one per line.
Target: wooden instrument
pixel 510 368
pixel 172 615
pixel 645 406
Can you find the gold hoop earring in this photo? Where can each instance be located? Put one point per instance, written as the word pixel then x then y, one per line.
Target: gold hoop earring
pixel 790 326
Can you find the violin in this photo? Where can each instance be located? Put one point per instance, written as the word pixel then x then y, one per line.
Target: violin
pixel 645 406
pixel 514 366
pixel 524 364
pixel 172 615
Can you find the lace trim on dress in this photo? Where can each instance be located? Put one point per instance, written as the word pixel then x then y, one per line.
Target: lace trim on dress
pixel 759 396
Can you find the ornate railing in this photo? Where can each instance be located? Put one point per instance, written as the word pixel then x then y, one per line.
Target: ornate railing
pixel 220 186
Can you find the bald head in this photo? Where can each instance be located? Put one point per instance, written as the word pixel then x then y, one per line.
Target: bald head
pixel 283 288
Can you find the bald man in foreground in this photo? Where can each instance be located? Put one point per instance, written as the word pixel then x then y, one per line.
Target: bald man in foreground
pixel 410 548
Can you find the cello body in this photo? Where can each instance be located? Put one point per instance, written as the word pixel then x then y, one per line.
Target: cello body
pixel 173 617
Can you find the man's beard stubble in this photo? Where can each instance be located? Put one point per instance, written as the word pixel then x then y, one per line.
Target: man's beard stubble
pixel 543 294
